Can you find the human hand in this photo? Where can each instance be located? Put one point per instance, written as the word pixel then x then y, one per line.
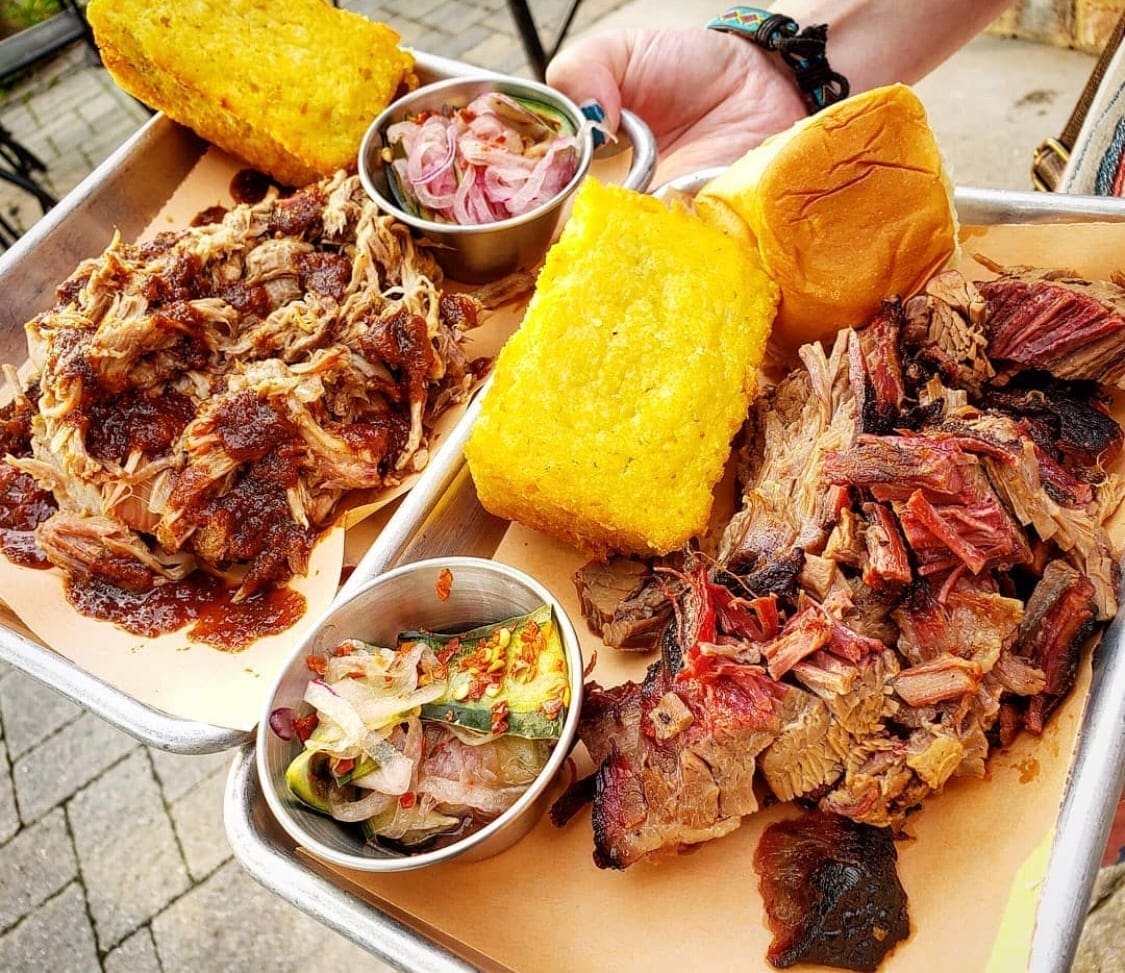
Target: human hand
pixel 708 97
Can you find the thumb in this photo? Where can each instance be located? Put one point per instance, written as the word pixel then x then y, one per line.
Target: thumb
pixel 593 69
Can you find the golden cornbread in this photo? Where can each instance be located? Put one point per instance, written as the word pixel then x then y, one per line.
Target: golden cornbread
pixel 289 87
pixel 611 410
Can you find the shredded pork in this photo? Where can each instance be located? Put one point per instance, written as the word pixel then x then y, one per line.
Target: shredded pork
pixel 209 398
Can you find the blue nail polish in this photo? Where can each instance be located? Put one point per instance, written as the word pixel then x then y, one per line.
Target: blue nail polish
pixel 595 113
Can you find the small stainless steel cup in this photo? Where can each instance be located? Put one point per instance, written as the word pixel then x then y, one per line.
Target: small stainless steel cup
pixel 482 592
pixel 478 254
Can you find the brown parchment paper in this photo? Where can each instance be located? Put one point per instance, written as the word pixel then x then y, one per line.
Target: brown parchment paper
pixel 972 871
pixel 190 679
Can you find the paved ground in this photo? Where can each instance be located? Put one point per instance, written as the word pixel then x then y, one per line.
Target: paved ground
pixel 112 856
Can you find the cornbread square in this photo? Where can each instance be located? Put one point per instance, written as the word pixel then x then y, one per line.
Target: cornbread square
pixel 289 87
pixel 611 410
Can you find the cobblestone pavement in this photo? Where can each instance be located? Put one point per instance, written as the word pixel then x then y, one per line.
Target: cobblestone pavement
pixel 113 855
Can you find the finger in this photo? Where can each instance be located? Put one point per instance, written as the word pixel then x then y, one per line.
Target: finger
pixel 593 69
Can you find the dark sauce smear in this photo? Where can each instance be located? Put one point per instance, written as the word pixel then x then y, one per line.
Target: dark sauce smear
pixel 23 506
pixel 212 214
pixel 831 892
pixel 136 421
pixel 230 626
pixel 249 186
pixel 199 599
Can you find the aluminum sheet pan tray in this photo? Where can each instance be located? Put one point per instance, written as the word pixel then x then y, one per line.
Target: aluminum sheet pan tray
pixel 127 191
pixel 443 516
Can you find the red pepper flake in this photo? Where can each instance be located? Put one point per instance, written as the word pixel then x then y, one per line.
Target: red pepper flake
pixel 317 664
pixel 345 766
pixel 450 650
pixel 304 725
pixel 444 584
pixel 343 649
pixel 357 674
pixel 408 800
pixel 500 717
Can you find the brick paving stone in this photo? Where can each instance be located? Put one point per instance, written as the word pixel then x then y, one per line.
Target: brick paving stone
pixel 31 712
pixel 56 938
pixel 391 12
pixel 65 762
pixel 34 865
pixel 410 31
pixel 500 22
pixel 137 954
pixel 455 15
pixel 432 41
pixel 130 862
pixel 465 39
pixel 268 932
pixel 178 773
pixel 9 817
pixel 198 820
pixel 494 49
pixel 1101 948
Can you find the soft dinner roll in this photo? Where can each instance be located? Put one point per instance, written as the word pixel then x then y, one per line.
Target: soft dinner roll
pixel 848 207
pixel 611 411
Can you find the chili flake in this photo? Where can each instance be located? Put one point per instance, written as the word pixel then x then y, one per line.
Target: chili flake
pixel 444 584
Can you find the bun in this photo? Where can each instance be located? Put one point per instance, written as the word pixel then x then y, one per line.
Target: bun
pixel 849 207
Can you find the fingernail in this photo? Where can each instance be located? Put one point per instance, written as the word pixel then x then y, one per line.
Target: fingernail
pixel 596 114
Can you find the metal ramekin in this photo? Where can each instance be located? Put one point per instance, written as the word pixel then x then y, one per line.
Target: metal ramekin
pixel 478 254
pixel 483 592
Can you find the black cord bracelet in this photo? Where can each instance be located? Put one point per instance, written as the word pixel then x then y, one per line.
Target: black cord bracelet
pixel 801 50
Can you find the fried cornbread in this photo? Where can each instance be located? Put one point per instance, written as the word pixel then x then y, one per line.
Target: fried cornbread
pixel 611 411
pixel 289 87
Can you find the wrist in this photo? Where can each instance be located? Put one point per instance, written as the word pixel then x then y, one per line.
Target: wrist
pixel 766 80
pixel 802 50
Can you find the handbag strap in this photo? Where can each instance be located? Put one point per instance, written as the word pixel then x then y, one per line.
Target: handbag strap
pixel 1051 157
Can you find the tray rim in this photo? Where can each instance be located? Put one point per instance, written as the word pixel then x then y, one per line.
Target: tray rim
pixel 1094 780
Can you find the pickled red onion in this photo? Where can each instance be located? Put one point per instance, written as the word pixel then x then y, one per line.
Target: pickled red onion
pixel 492 160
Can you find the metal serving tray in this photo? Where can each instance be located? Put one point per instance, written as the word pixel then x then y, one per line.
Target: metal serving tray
pixel 127 191
pixel 442 515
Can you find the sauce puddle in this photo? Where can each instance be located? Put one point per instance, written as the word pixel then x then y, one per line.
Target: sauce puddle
pixel 200 600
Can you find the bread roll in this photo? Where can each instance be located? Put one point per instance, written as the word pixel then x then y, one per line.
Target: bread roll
pixel 847 207
pixel 289 87
pixel 611 411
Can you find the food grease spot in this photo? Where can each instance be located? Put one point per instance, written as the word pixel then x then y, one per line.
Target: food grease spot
pixel 249 186
pixel 200 600
pixel 1028 768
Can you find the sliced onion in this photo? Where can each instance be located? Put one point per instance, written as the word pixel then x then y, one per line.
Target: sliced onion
pixel 412 825
pixel 491 800
pixel 283 723
pixel 366 807
pixel 471 738
pixel 489 161
pixel 332 706
pixel 394 773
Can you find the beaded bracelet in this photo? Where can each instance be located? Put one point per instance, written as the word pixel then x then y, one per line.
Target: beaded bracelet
pixel 801 50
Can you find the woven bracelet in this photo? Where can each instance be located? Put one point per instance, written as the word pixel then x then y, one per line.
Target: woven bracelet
pixel 801 50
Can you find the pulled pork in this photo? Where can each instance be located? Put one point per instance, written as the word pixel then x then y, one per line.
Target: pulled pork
pixel 917 560
pixel 207 399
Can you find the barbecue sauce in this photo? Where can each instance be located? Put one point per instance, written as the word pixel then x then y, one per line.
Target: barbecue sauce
pixel 203 601
pixel 831 892
pixel 249 186
pixel 136 421
pixel 23 506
